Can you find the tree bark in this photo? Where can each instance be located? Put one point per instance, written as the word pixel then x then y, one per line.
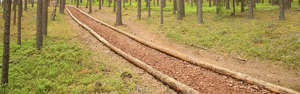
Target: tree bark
pixel 53 15
pixel 209 1
pixel 45 17
pixel 199 11
pixel 32 3
pixel 149 8
pixel 139 9
pixel 39 32
pixel 242 5
pixel 77 3
pixel 62 6
pixel 227 2
pixel 99 4
pixel 90 6
pixel 119 13
pixel 233 7
pixel 25 5
pixel 15 2
pixel 174 6
pixel 161 12
pixel 180 9
pixel 114 5
pixel 5 57
pixel 19 21
pixel 250 9
pixel 281 16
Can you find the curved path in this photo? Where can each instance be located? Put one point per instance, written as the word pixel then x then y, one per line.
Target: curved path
pixel 201 79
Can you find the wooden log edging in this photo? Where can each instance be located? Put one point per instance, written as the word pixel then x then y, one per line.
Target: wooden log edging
pixel 195 61
pixel 178 86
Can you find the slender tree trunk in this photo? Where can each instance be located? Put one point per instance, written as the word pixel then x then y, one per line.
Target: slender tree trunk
pixel 99 4
pixel 282 16
pixel 19 21
pixel 227 2
pixel 233 7
pixel 45 17
pixel 161 12
pixel 90 6
pixel 149 8
pixel 53 15
pixel 174 6
pixel 209 1
pixel 32 3
pixel 77 3
pixel 180 9
pixel 242 5
pixel 199 11
pixel 25 5
pixel 62 6
pixel 5 57
pixel 124 4
pixel 119 13
pixel 139 9
pixel 114 5
pixel 250 9
pixel 15 2
pixel 39 26
pixel 87 4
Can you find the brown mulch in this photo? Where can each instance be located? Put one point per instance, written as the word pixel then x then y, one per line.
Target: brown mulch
pixel 203 80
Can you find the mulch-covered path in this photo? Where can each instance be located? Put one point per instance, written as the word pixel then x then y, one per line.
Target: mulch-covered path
pixel 201 79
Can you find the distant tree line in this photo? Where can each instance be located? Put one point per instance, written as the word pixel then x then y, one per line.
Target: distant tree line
pixel 179 6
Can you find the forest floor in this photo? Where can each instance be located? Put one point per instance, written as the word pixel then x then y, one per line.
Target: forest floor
pixel 71 61
pixel 276 73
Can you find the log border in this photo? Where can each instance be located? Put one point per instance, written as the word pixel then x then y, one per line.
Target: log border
pixel 176 85
pixel 195 61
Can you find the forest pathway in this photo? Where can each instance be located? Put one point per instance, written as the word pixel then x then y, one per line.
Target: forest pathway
pixel 203 80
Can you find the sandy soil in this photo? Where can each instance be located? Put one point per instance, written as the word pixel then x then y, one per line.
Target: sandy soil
pixel 274 73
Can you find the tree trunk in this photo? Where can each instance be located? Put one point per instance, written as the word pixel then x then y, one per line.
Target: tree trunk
pixel 114 5
pixel 32 3
pixel 242 5
pixel 45 17
pixel 149 8
pixel 124 4
pixel 233 7
pixel 25 5
pixel 180 9
pixel 209 3
pixel 99 4
pixel 87 4
pixel 62 6
pixel 161 12
pixel 90 6
pixel 5 57
pixel 15 2
pixel 174 6
pixel 19 21
pixel 250 9
pixel 119 13
pixel 199 11
pixel 139 9
pixel 77 3
pixel 53 15
pixel 227 2
pixel 39 28
pixel 281 16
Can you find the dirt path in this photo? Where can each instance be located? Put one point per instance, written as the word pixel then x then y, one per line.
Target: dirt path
pixel 199 78
pixel 274 73
pixel 146 84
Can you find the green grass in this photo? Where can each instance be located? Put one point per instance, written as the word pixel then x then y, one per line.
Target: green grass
pixel 61 67
pixel 264 38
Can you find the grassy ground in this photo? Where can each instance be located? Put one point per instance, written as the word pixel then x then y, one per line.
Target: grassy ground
pixel 61 67
pixel 265 37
